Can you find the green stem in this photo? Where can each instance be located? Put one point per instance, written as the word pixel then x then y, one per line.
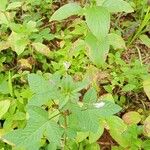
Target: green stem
pixel 141 27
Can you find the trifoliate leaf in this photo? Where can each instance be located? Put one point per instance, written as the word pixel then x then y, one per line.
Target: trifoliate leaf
pixel 98 21
pixel 37 126
pixel 4 106
pixel 115 6
pixel 66 11
pixel 131 117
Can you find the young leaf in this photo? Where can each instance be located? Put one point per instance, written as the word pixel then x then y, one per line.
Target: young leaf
pixel 97 50
pixel 4 106
pixel 145 40
pixel 115 6
pixel 116 41
pixel 98 21
pixel 66 11
pixel 37 125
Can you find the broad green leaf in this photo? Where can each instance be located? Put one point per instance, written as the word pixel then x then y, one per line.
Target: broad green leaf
pixel 131 117
pixel 115 6
pixel 41 48
pixel 43 90
pixel 98 21
pixel 117 127
pixel 146 86
pixel 108 109
pixel 14 5
pixel 37 126
pixel 66 11
pixel 90 96
pixel 93 137
pixel 116 41
pixel 88 119
pixel 4 106
pixel 145 40
pixel 18 42
pixel 97 50
pixel 3 4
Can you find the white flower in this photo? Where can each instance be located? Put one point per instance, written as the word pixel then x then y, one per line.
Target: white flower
pixel 99 105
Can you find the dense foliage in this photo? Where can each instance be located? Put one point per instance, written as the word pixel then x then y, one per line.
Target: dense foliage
pixel 74 75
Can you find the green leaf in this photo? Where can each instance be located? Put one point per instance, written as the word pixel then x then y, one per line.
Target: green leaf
pixel 131 117
pixel 97 50
pixel 98 21
pixel 3 18
pixel 145 40
pixel 66 11
pixel 38 125
pixel 147 126
pixel 117 127
pixel 146 86
pixel 88 118
pixel 146 145
pixel 94 146
pixel 14 5
pixel 41 48
pixel 4 87
pixel 4 45
pixel 4 106
pixel 128 87
pixel 93 137
pixel 90 96
pixel 43 90
pixel 115 6
pixel 18 42
pixel 116 41
pixel 3 5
